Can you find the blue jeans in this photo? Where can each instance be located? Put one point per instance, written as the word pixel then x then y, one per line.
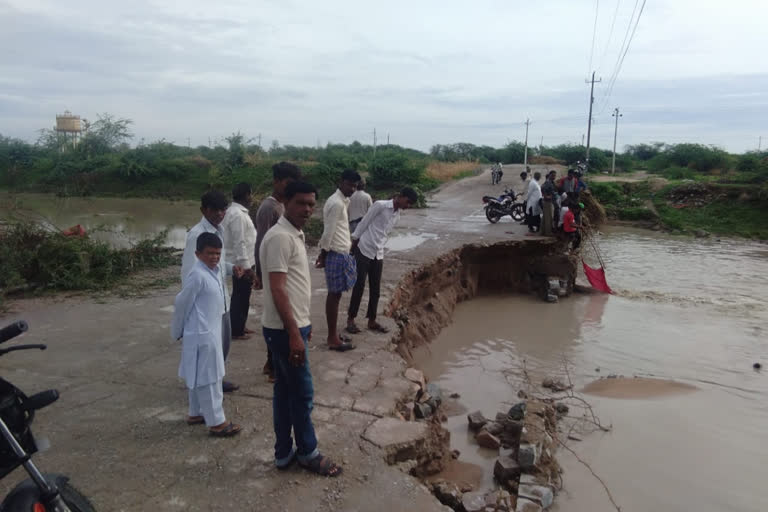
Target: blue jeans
pixel 292 401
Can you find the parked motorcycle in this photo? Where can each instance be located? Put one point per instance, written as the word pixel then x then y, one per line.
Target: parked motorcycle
pixel 505 204
pixel 40 493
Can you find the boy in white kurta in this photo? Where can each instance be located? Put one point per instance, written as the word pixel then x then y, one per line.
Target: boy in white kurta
pixel 197 318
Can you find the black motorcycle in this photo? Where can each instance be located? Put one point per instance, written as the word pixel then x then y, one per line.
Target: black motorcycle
pixel 505 204
pixel 40 493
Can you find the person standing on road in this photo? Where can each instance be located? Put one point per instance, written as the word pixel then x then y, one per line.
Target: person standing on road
pixel 269 212
pixel 533 203
pixel 198 312
pixel 240 237
pixel 368 242
pixel 287 329
pixel 339 264
pixel 359 204
pixel 523 188
pixel 214 208
pixel 548 193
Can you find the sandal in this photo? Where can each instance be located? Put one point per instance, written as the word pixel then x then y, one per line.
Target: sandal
pixel 195 420
pixel 322 466
pixel 353 329
pixel 344 346
pixel 378 328
pixel 230 430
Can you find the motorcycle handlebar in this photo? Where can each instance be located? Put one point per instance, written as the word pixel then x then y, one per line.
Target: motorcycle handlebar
pixel 11 331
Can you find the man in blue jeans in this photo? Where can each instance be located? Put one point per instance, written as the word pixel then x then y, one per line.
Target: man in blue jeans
pixel 287 328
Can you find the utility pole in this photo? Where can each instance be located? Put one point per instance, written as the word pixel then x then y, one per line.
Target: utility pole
pixel 615 132
pixel 387 139
pixel 259 141
pixel 589 123
pixel 525 155
pixel 374 147
pixel 759 143
pixel 582 139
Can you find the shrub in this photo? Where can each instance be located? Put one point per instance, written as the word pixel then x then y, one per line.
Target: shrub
pixel 607 193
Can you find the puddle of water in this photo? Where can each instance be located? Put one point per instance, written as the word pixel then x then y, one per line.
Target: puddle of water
pixel 701 450
pixel 408 241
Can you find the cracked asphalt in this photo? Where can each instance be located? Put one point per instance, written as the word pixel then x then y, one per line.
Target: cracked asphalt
pixel 118 429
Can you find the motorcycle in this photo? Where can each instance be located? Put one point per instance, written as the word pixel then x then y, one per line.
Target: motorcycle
pixel 41 492
pixel 505 204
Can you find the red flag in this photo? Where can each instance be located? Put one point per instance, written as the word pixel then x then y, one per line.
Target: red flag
pixel 596 277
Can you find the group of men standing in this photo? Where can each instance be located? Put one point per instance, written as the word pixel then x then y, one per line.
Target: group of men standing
pixel 547 205
pixel 270 254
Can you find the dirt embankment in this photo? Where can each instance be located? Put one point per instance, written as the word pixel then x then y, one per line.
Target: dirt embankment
pixel 424 301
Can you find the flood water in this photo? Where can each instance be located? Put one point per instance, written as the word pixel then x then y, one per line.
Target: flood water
pixel 117 221
pixel 692 311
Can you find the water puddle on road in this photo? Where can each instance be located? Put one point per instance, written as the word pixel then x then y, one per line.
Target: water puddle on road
pixel 688 418
pixel 408 241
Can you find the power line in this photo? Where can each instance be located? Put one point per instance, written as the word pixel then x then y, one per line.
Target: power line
pixel 594 33
pixel 622 53
pixel 610 35
pixel 616 75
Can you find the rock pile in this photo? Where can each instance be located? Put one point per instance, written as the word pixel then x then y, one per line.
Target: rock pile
pixel 525 438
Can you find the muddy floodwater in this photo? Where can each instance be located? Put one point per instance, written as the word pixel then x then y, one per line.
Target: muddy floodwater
pixel 689 320
pixel 117 221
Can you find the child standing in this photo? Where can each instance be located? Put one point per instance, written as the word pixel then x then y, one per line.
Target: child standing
pixel 199 308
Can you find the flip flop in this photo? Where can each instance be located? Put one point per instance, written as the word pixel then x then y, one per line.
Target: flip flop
pixel 322 466
pixel 353 329
pixel 195 420
pixel 230 430
pixel 344 346
pixel 379 328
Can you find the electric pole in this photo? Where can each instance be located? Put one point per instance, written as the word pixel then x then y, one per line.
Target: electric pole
pixel 589 123
pixel 525 155
pixel 615 132
pixel 759 143
pixel 374 147
pixel 259 141
pixel 387 139
pixel 582 139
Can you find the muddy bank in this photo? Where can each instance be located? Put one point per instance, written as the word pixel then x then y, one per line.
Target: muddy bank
pixel 424 301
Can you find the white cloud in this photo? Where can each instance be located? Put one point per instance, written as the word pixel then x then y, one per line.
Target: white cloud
pixel 426 72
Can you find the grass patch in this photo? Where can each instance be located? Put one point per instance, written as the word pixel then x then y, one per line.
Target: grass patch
pixel 34 258
pixel 446 171
pixel 721 217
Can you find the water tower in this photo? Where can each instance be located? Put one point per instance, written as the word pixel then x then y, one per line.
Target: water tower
pixel 69 125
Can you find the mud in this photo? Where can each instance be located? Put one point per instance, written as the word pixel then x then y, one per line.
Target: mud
pixel 636 388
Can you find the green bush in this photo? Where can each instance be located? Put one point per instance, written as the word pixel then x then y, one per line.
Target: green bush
pixel 35 257
pixel 607 193
pixel 393 169
pixel 635 213
pixel 679 173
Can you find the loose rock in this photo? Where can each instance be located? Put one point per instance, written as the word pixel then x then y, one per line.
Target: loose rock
pixel 435 393
pixel 448 493
pixel 537 493
pixel 488 440
pixel 525 505
pixel 527 455
pixel 414 375
pixel 561 409
pixel 498 501
pixel 517 412
pixel 506 468
pixel 476 420
pixel 494 427
pixel 757 366
pixel 422 411
pixel 473 501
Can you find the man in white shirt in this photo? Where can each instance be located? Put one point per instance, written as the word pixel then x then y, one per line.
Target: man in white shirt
pixel 198 310
pixel 359 204
pixel 239 243
pixel 368 243
pixel 214 208
pixel 335 257
pixel 533 203
pixel 287 329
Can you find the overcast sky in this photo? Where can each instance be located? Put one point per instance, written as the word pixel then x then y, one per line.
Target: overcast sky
pixel 422 71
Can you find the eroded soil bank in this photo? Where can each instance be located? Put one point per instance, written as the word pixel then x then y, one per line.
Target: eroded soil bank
pixel 424 301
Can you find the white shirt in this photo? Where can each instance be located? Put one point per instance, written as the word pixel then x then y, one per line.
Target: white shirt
pixel 524 186
pixel 198 310
pixel 563 211
pixel 359 204
pixel 189 259
pixel 336 224
pixel 373 230
pixel 534 194
pixel 239 236
pixel 283 250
